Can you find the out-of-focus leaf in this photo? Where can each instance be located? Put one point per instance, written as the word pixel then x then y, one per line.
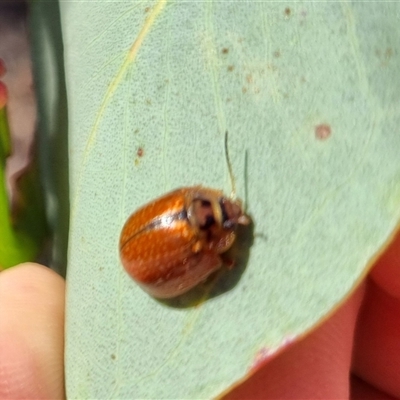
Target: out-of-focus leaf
pixel 23 227
pixel 48 68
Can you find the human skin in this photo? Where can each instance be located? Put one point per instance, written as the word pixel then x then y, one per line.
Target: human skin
pixel 362 335
pixel 31 333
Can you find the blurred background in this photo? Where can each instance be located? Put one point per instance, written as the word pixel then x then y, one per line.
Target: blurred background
pixel 15 52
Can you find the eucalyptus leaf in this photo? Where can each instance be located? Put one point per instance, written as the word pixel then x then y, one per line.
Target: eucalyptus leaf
pixel 309 95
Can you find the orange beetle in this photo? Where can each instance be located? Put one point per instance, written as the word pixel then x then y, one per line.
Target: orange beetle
pixel 173 243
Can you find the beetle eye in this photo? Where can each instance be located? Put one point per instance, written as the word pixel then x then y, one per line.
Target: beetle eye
pixel 228 224
pixel 226 221
pixel 232 214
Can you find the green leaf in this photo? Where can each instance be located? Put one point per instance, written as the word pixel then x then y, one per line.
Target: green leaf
pixel 23 226
pixel 308 92
pixel 5 142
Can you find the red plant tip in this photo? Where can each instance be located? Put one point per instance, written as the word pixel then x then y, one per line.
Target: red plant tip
pixel 2 67
pixel 3 95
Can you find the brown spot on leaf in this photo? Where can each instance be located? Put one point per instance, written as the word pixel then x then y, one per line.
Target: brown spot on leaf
pixel 230 68
pixel 323 131
pixel 388 53
pixel 225 50
pixel 139 155
pixel 288 12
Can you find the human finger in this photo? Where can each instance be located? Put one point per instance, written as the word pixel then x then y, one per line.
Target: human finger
pixel 31 333
pixel 316 367
pixel 377 340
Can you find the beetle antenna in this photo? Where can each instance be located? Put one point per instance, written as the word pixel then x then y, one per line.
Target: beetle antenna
pixel 246 181
pixel 228 161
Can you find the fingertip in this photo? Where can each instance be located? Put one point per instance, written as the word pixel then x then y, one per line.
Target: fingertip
pixel 386 271
pixel 377 339
pixel 31 332
pixel 316 366
pixel 377 345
